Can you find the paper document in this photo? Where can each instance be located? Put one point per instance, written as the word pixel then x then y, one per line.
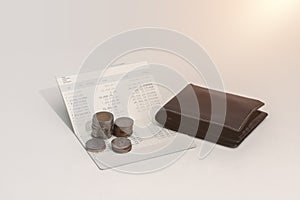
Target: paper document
pixel 125 90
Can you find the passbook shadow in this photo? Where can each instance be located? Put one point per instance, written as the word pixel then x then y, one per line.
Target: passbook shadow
pixel 54 99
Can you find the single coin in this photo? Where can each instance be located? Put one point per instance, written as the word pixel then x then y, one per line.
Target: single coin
pixel 124 122
pixel 121 145
pixel 123 127
pixel 95 145
pixel 104 116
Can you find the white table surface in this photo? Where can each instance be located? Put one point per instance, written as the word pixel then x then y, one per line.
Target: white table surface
pixel 255 44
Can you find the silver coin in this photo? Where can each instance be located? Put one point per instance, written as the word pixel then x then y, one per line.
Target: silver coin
pixel 121 145
pixel 124 122
pixel 95 145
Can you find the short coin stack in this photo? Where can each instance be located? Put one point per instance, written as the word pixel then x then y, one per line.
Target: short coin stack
pixel 103 127
pixel 123 127
pixel 121 145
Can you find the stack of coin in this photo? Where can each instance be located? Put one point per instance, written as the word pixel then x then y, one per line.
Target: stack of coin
pixel 123 127
pixel 102 125
pixel 95 145
pixel 121 145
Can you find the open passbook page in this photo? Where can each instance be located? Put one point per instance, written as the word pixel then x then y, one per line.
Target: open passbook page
pixel 124 90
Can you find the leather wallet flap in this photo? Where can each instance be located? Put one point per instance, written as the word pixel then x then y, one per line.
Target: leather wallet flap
pixel 238 109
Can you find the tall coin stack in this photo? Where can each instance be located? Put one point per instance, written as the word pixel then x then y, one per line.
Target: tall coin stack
pixel 102 125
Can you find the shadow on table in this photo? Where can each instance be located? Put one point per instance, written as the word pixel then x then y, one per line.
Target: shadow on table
pixel 54 98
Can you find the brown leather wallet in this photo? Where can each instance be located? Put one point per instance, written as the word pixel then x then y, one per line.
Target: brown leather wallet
pixel 240 117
